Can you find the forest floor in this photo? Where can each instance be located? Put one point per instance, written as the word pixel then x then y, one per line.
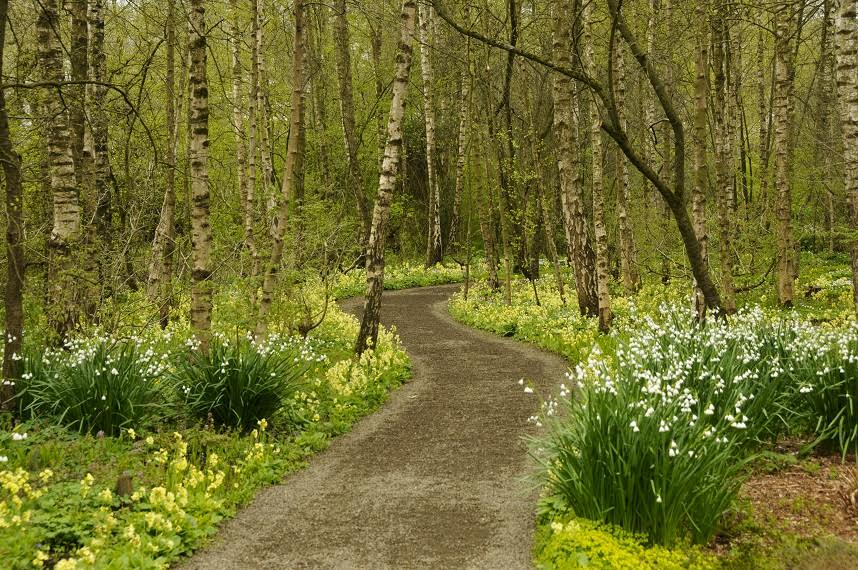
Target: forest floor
pixel 437 478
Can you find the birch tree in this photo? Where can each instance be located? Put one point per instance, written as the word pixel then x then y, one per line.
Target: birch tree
pixel 201 231
pixel 433 244
pixel 783 155
pixel 161 264
pixel 600 231
pixel 628 249
pixel 847 91
pixel 64 285
pixel 701 170
pixel 368 333
pixel 287 191
pixel 571 187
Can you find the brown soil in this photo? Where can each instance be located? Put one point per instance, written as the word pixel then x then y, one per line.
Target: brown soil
pixel 807 499
pixel 437 478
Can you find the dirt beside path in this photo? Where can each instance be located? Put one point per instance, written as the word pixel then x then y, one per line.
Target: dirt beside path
pixel 435 479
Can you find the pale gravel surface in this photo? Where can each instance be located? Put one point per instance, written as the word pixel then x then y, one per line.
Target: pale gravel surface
pixel 435 479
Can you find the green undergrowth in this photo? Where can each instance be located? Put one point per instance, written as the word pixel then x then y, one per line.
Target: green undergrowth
pixel 569 542
pixel 404 276
pixel 154 444
pixel 646 455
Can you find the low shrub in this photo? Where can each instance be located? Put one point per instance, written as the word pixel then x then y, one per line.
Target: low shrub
pixel 568 542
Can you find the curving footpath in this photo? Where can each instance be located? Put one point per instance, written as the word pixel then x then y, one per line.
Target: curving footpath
pixel 438 478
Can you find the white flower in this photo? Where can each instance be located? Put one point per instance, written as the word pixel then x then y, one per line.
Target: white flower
pixel 19 436
pixel 658 498
pixel 710 410
pixel 114 371
pixel 528 390
pixel 649 411
pixel 634 426
pixel 521 382
pixel 103 398
pixel 3 459
pixel 674 449
pixel 663 427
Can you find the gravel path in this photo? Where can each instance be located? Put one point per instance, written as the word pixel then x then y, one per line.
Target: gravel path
pixel 435 479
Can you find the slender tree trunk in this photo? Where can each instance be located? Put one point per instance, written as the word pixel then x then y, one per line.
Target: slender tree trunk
pixel 463 138
pixel 201 231
pixel 63 280
pixel 433 243
pixel 347 112
pixel 628 249
pixel 268 185
pixel 826 98
pixel 287 197
pixel 368 334
pixel 160 281
pixel 243 155
pixel 98 120
pixel 701 174
pixel 13 299
pixel 763 118
pixel 847 91
pixel 600 231
pixel 380 124
pixel 571 189
pixel 319 92
pixel 77 94
pixel 783 161
pixel 723 154
pixel 249 211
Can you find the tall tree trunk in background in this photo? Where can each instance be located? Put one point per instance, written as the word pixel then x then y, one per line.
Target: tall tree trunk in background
pixel 763 119
pixel 287 196
pixel 571 189
pixel 368 333
pixel 783 159
pixel 249 210
pixel 600 232
pixel 847 91
pixel 201 230
pixel 826 98
pixel 247 194
pixel 654 132
pixel 486 209
pixel 380 119
pixel 13 300
pixel 628 249
pixel 77 94
pixel 463 137
pixel 160 282
pixel 433 243
pixel 98 120
pixel 64 285
pixel 701 174
pixel 319 92
pixel 268 186
pixel 723 154
pixel 347 113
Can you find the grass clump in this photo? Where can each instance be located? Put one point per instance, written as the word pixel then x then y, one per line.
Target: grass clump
pixel 236 384
pixel 96 385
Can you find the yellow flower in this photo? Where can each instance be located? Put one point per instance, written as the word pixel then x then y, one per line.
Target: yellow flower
pixel 263 423
pixel 105 496
pixel 66 564
pixel 46 475
pixel 132 434
pixel 150 440
pixel 39 560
